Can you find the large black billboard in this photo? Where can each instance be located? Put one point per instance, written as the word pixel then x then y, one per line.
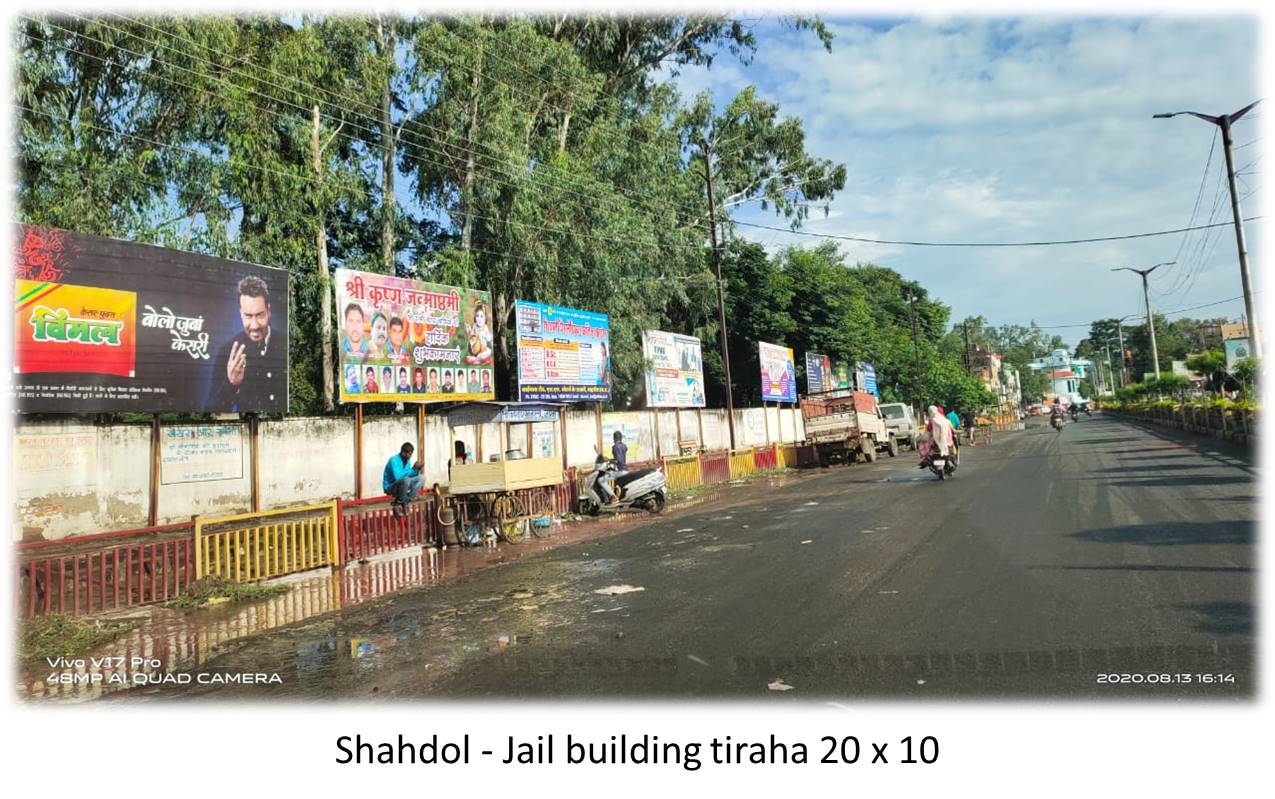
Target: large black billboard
pixel 107 325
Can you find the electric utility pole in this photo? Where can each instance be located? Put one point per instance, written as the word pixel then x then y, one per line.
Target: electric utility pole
pixel 707 151
pixel 1146 298
pixel 1224 122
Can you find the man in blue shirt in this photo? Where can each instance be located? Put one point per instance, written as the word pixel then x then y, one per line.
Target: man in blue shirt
pixel 402 479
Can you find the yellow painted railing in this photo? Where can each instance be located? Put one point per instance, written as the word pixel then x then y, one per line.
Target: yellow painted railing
pixel 255 546
pixel 787 456
pixel 682 473
pixel 741 463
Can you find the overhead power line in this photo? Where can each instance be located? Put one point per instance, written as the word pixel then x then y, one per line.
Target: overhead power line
pixel 1144 316
pixel 1055 243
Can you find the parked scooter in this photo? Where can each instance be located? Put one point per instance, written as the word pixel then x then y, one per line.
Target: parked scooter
pixel 644 489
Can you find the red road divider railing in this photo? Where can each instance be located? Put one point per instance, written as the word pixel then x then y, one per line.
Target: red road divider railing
pixel 369 527
pixel 714 467
pixel 765 458
pixel 113 571
pixel 89 574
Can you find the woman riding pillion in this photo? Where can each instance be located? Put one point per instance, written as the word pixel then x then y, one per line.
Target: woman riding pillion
pixel 938 433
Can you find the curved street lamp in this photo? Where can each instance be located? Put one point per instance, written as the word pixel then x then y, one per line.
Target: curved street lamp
pixel 1224 122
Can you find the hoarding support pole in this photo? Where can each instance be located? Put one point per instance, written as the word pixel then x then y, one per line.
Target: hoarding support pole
pixel 254 448
pixel 420 431
pixel 765 416
pixel 658 454
pixel 358 451
pixel 677 417
pixel 153 515
pixel 562 433
pixel 795 416
pixel 597 415
pixel 478 442
pixel 699 420
pixel 527 428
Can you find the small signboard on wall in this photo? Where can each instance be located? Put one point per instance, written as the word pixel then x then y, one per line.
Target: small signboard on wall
pixel 198 453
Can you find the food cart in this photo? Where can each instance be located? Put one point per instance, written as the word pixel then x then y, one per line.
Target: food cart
pixel 501 495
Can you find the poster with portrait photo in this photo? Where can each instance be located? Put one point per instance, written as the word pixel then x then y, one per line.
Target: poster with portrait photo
pixel 104 325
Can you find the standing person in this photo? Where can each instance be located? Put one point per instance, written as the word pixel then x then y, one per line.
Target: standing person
pixel 620 452
pixel 969 421
pixel 255 361
pixel 954 420
pixel 402 479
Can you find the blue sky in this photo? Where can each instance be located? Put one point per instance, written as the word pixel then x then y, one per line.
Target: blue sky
pixel 1011 129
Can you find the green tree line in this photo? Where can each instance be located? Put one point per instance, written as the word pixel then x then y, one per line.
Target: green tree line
pixel 548 158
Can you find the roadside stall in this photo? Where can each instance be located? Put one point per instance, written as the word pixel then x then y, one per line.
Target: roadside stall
pixel 502 495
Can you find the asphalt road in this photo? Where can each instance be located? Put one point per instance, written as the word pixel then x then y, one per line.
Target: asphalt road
pixel 1108 560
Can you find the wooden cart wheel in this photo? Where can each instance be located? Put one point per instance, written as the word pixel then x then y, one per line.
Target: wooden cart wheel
pixel 507 511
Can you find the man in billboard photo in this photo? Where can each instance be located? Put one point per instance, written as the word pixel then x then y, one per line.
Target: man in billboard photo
pixel 354 345
pixel 404 387
pixel 397 348
pixel 351 379
pixel 486 381
pixel 387 380
pixel 448 386
pixel 251 373
pixel 474 385
pixel 432 384
pixel 380 337
pixel 418 380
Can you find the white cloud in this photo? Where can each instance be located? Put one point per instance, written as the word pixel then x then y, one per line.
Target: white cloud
pixel 988 129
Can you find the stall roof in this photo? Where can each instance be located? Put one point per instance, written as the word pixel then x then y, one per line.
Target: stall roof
pixel 473 413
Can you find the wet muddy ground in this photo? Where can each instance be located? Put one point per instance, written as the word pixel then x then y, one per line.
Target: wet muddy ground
pixel 1053 565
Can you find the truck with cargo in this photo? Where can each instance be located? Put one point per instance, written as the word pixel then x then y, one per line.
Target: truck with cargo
pixel 844 425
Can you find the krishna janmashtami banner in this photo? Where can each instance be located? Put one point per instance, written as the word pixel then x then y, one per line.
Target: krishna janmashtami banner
pixel 405 340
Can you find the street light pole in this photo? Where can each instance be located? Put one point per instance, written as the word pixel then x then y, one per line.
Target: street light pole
pixel 1124 370
pixel 916 348
pixel 1224 122
pixel 1146 298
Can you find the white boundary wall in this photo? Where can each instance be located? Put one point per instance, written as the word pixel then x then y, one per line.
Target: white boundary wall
pixel 73 478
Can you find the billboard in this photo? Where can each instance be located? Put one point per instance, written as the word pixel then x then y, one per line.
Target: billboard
pixel 102 325
pixel 818 373
pixel 674 370
pixel 823 375
pixel 1236 348
pixel 778 373
pixel 867 374
pixel 406 340
pixel 563 354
